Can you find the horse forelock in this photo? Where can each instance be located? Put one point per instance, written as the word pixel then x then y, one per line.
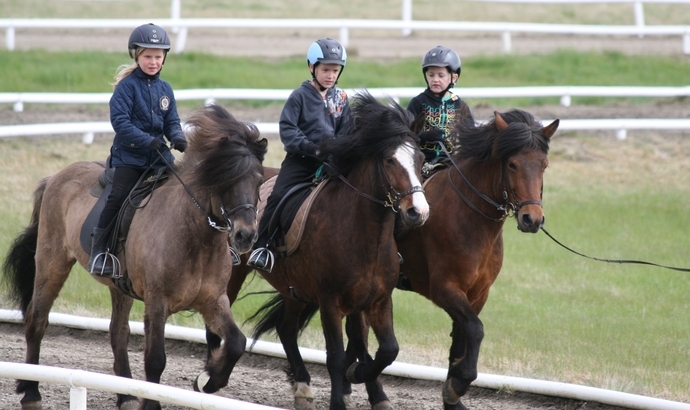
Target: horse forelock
pixel 376 129
pixel 486 142
pixel 222 150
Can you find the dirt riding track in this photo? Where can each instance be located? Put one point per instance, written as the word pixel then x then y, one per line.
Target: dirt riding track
pixel 260 379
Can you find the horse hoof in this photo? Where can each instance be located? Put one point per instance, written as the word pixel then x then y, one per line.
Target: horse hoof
pixel 32 405
pixel 303 403
pixel 350 374
pixel 201 381
pixel 449 394
pixel 130 405
pixel 382 405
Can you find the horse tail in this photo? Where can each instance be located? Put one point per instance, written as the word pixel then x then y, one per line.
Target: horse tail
pixel 271 313
pixel 19 267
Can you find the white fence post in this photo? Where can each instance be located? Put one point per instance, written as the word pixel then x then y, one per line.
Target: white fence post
pixel 175 14
pixel 507 42
pixel 77 398
pixel 406 16
pixel 344 36
pixel 9 38
pixel 639 16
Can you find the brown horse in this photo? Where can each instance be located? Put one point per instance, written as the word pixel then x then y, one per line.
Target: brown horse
pixel 497 171
pixel 347 260
pixel 177 250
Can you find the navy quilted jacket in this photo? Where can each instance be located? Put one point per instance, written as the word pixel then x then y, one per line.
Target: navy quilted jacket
pixel 142 107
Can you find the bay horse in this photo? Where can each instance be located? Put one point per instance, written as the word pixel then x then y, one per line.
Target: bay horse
pixel 496 171
pixel 347 260
pixel 175 258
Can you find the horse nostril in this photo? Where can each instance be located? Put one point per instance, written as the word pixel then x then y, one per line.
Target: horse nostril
pixel 413 214
pixel 527 220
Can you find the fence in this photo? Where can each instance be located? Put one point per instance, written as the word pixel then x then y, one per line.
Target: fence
pixel 565 93
pixel 182 25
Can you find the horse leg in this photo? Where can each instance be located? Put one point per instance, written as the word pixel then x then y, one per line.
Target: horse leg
pixel 119 341
pixel 239 274
pixel 52 270
pixel 219 320
pixel 357 330
pixel 155 315
pixel 468 332
pixel 332 324
pixel 381 321
pixel 288 332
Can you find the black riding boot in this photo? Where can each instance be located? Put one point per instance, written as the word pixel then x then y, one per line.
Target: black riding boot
pixel 98 263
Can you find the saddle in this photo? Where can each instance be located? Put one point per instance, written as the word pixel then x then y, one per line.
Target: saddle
pixel 151 180
pixel 291 216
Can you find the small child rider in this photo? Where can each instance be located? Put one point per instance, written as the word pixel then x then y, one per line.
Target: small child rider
pixel 143 112
pixel 315 111
pixel 441 68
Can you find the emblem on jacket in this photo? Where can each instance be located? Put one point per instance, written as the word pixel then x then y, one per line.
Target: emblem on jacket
pixel 165 103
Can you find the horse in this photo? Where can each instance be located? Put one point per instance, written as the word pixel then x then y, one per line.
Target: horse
pixel 496 172
pixel 347 260
pixel 178 254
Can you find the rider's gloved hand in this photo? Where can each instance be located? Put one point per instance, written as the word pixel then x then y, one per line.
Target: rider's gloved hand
pixel 179 144
pixel 432 135
pixel 155 144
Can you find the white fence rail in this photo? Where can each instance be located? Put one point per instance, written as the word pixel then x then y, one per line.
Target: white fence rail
pixel 398 369
pixel 620 125
pixel 182 25
pixel 79 381
pixel 565 93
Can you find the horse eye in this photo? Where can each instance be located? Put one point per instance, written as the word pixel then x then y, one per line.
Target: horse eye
pixel 390 161
pixel 512 166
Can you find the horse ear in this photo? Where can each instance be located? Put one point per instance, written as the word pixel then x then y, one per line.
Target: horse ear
pixel 418 124
pixel 501 124
pixel 550 129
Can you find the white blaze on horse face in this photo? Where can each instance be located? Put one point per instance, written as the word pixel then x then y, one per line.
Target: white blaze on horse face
pixel 405 156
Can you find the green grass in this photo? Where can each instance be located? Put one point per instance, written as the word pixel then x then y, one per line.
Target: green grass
pixel 42 71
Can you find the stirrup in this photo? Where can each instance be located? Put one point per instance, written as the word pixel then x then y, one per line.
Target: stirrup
pixel 261 258
pixel 235 256
pixel 107 256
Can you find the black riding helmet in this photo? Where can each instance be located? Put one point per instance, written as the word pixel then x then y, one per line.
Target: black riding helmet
pixel 148 36
pixel 441 56
pixel 326 51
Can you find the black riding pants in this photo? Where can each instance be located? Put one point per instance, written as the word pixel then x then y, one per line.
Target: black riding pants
pixel 294 169
pixel 124 180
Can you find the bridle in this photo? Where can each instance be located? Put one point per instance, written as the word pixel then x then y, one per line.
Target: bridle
pixel 393 197
pixel 226 225
pixel 507 209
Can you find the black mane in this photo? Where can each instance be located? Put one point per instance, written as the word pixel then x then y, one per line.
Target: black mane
pixel 375 128
pixel 486 142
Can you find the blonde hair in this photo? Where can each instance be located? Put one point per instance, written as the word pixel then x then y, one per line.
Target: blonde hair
pixel 126 69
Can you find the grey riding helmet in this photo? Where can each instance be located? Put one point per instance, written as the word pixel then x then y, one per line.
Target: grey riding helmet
pixel 441 56
pixel 326 51
pixel 148 36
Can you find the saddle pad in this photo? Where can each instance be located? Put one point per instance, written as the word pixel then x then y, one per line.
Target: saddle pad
pixel 294 235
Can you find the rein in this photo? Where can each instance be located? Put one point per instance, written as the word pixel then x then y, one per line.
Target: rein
pixel 229 226
pixel 507 209
pixel 614 260
pixel 393 199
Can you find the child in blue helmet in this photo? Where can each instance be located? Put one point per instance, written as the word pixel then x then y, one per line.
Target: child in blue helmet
pixel 441 108
pixel 143 112
pixel 315 111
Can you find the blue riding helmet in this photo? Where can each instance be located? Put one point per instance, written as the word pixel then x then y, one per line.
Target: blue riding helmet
pixel 326 51
pixel 148 36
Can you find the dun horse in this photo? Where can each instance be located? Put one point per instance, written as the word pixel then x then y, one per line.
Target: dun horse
pixel 347 260
pixel 497 171
pixel 176 254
